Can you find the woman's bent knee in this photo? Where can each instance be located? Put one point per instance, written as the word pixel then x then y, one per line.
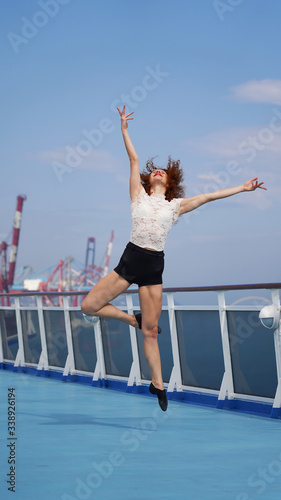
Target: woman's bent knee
pixel 88 307
pixel 150 332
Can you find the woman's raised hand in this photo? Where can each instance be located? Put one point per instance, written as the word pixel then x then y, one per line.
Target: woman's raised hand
pixel 253 184
pixel 124 118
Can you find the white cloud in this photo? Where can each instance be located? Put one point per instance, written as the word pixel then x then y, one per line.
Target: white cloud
pixel 232 142
pixel 206 177
pixel 225 147
pixel 221 144
pixel 257 199
pixel 96 159
pixel 260 91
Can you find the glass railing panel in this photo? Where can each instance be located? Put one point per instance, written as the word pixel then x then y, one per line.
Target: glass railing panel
pixel 55 337
pixel 9 333
pixel 116 347
pixel 200 348
pixel 252 354
pixel 261 297
pixel 84 345
pixel 31 336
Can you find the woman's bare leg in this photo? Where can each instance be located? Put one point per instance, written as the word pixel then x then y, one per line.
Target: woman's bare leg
pixel 96 303
pixel 151 304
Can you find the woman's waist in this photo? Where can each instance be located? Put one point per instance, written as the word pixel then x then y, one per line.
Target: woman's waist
pixel 139 247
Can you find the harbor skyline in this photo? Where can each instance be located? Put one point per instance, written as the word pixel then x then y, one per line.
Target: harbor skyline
pixel 204 82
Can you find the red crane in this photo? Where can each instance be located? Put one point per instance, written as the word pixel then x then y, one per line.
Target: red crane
pixel 108 254
pixel 15 241
pixel 47 285
pixel 3 268
pixel 7 276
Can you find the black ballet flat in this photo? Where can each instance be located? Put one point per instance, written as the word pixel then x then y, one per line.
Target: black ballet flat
pixel 138 318
pixel 162 396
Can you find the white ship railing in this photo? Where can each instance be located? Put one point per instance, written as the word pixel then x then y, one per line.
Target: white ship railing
pixel 218 354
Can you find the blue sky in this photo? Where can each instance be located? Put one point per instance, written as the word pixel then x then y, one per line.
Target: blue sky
pixel 204 81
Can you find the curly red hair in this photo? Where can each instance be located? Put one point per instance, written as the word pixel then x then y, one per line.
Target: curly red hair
pixel 174 172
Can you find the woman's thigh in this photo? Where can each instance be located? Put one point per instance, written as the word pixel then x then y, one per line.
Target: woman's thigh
pixel 150 298
pixel 107 289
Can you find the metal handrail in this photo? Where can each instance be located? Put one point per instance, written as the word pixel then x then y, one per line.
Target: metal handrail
pixel 216 288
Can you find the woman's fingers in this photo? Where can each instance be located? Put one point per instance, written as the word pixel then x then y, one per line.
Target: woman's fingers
pixel 257 184
pixel 253 184
pixel 122 114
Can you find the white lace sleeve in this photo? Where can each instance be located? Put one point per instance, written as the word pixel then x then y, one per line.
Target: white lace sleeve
pixel 175 203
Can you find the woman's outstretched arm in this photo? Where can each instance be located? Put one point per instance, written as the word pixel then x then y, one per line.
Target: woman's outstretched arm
pixel 189 204
pixel 135 180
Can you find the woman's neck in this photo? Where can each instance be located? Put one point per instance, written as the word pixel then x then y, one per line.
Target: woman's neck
pixel 158 190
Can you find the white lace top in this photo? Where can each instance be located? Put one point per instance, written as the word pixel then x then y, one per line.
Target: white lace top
pixel 152 218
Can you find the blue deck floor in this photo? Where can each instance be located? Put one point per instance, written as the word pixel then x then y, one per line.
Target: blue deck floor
pixel 80 442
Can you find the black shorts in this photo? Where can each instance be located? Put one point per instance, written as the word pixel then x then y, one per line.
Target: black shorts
pixel 141 266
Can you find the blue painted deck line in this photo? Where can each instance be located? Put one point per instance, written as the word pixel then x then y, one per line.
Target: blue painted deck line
pixel 200 398
pixel 78 442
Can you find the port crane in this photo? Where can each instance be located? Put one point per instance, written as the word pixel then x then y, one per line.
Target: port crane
pixel 7 272
pixel 67 275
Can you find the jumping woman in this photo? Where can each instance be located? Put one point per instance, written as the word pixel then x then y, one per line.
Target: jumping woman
pixel 156 203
